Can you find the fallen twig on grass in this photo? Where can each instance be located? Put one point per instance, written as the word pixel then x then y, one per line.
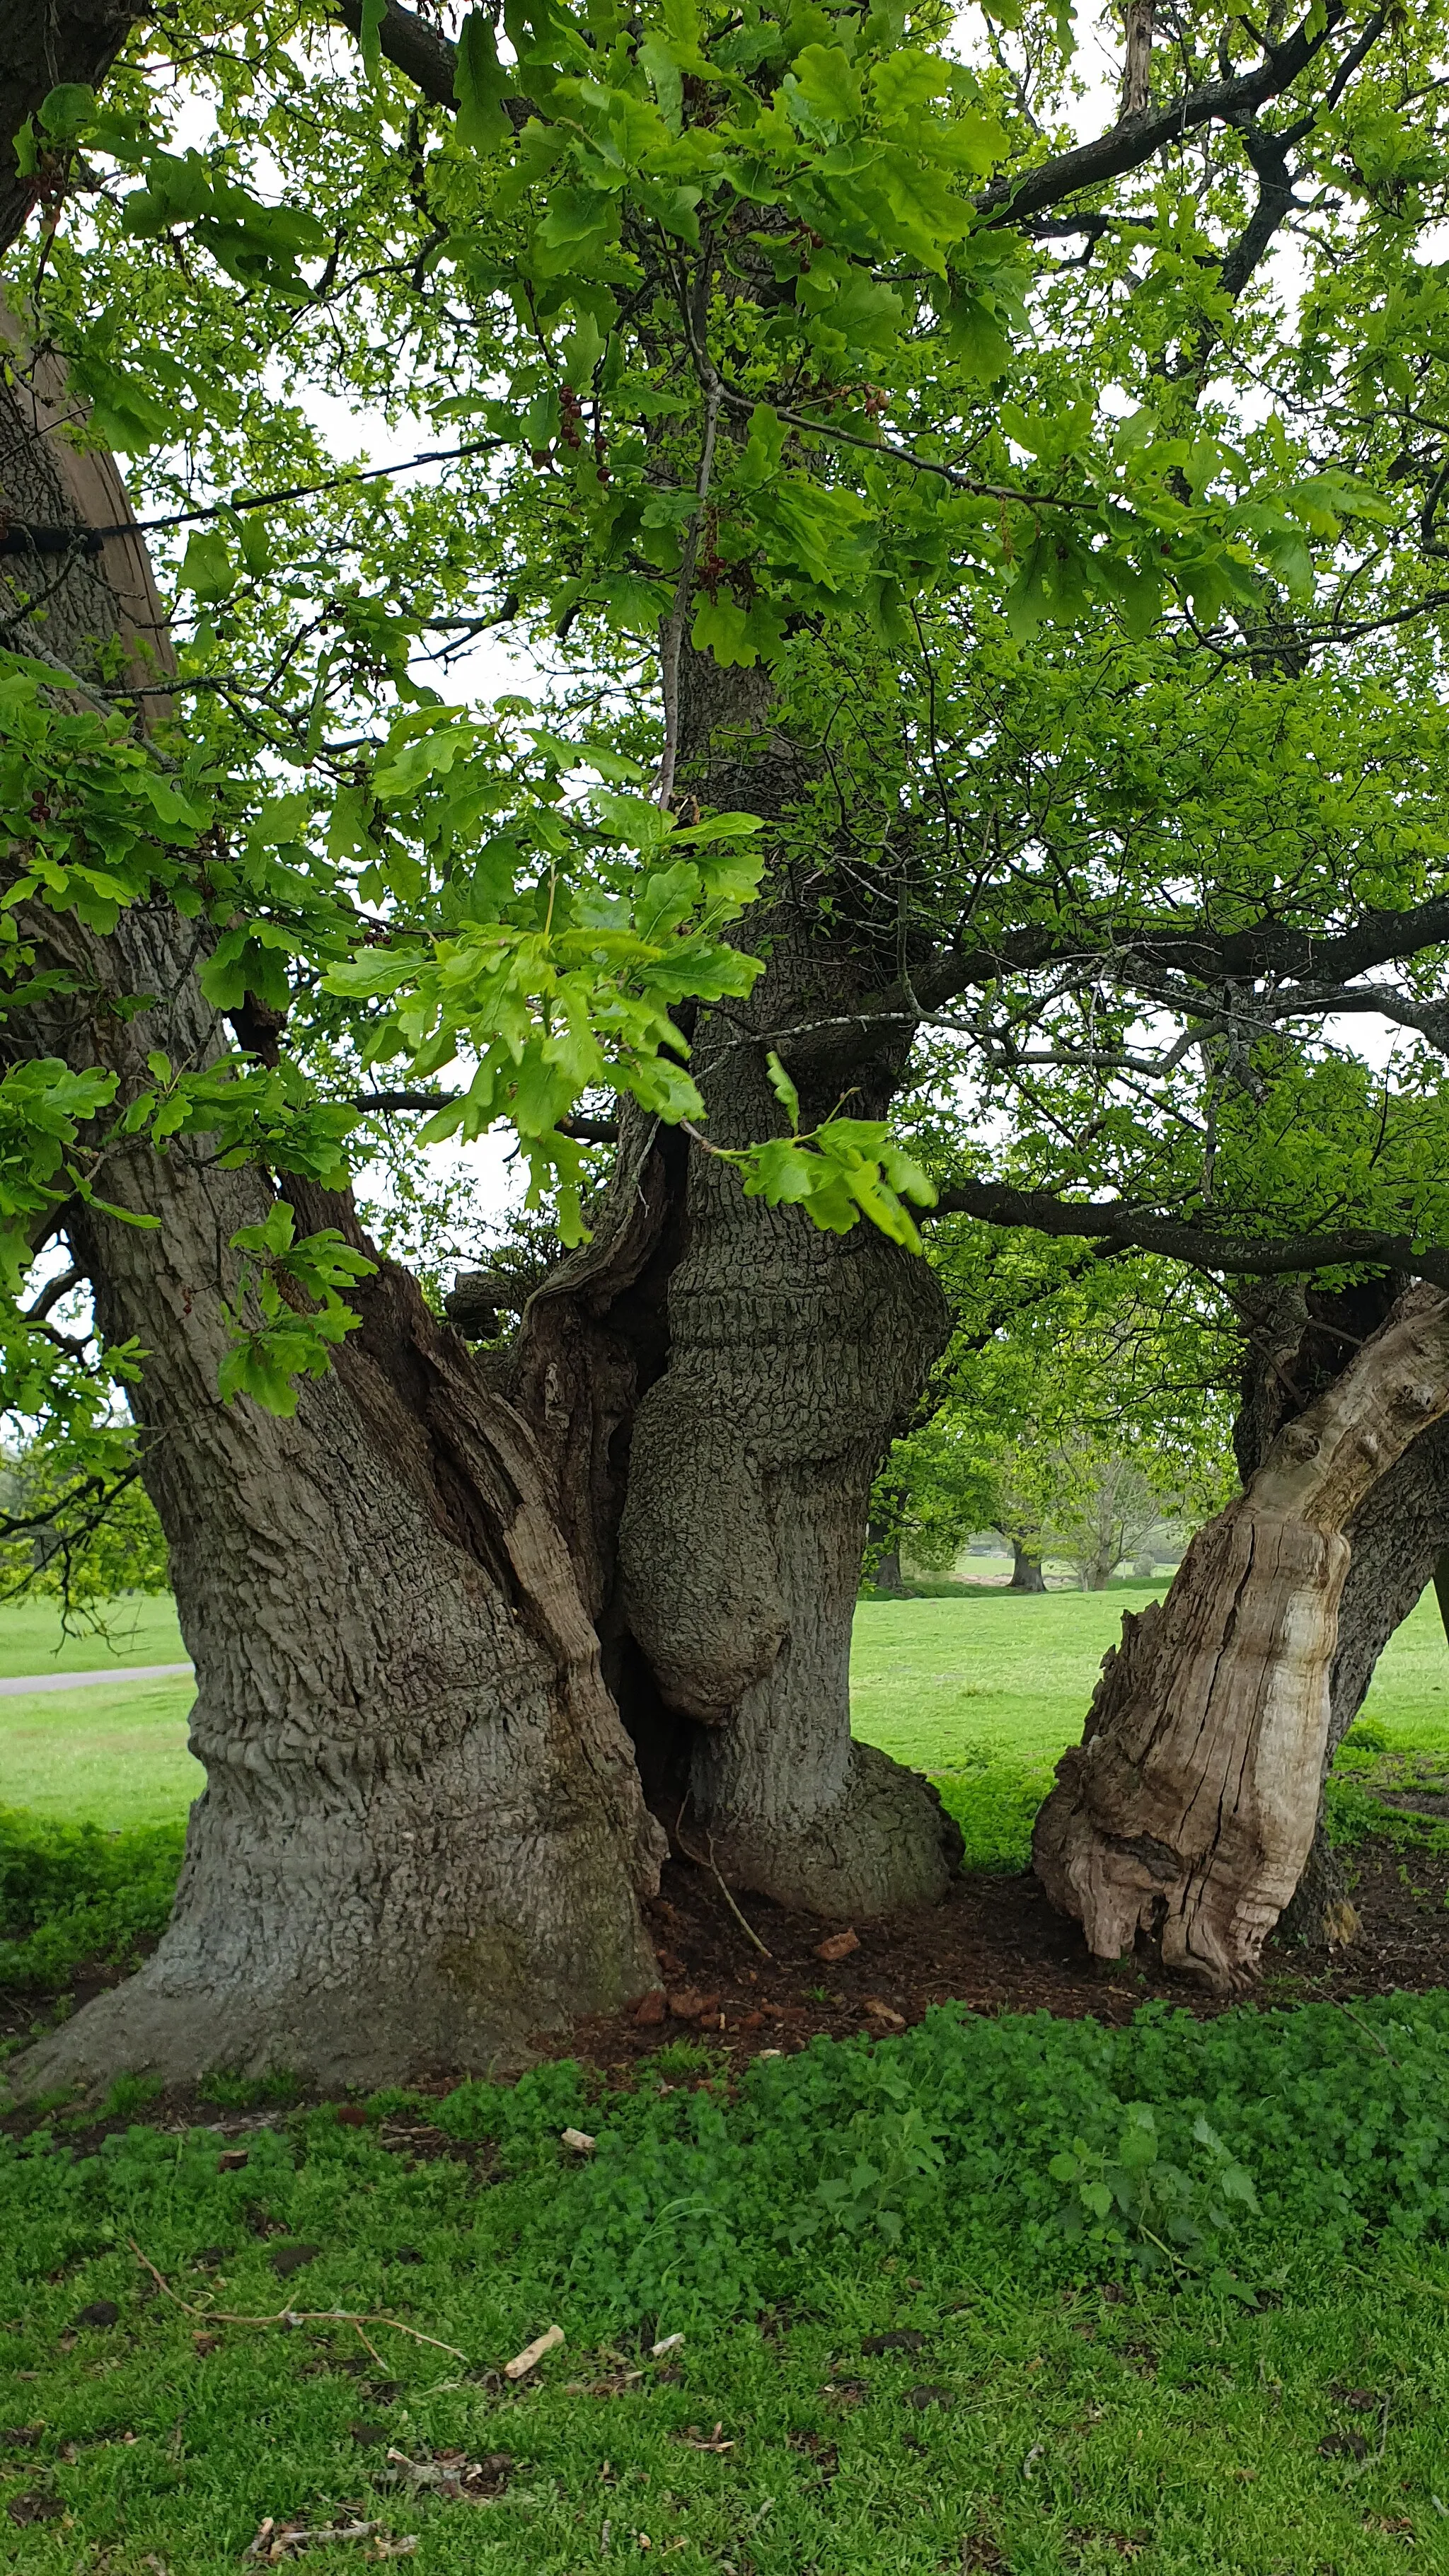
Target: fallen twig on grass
pixel 277 2541
pixel 292 2316
pixel 533 2353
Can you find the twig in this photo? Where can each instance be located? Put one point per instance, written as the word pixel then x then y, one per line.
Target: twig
pixel 291 2316
pixel 1368 2033
pixel 713 1865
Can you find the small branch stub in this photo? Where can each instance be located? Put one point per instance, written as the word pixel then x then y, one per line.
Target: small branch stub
pixel 533 2353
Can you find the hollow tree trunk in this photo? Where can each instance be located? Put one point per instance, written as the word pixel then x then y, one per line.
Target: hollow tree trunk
pixel 793 1358
pixel 423 1834
pixel 1190 1805
pixel 1026 1573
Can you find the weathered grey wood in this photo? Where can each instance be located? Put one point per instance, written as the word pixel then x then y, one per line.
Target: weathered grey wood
pixel 1189 1807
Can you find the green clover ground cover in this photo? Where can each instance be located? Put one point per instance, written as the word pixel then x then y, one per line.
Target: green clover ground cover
pixel 1057 2391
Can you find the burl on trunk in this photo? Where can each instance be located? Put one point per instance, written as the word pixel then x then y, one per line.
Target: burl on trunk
pixel 1189 1806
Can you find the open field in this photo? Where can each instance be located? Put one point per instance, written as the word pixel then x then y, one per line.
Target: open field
pixel 981 1689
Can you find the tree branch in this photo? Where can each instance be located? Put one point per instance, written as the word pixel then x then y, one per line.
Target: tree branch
pixel 413 48
pixel 1117 1222
pixel 428 59
pixel 584 1131
pixel 1128 144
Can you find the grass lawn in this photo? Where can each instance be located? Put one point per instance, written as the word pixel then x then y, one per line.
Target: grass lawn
pixel 1039 2406
pixel 113 1756
pixel 140 1628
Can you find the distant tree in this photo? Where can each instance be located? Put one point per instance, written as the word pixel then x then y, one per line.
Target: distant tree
pixel 1107 1506
pixel 933 1493
pixel 1079 1406
pixel 80 1532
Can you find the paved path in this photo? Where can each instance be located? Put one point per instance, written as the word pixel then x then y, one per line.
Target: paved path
pixel 84 1681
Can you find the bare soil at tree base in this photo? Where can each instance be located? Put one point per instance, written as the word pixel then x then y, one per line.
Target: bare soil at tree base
pixel 995 1945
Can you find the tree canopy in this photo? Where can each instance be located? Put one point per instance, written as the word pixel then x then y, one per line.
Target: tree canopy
pixel 1079 499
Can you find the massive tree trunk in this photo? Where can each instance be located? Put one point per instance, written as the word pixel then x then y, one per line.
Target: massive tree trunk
pixel 793 1358
pixel 1189 1808
pixel 423 1834
pixel 416 1609
pixel 718 1382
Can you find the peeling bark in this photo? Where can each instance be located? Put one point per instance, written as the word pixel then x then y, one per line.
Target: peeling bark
pixel 1189 1807
pixel 1398 1535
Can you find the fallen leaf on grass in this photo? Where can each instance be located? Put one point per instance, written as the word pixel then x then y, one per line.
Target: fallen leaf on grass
pixel 287 2259
pixel 1393 2526
pixel 694 2440
pixel 666 2343
pixel 453 2476
pixel 580 2141
pixel 35 2508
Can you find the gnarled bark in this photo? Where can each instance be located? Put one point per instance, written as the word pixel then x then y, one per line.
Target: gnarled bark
pixel 1190 1805
pixel 423 1834
pixel 793 1358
